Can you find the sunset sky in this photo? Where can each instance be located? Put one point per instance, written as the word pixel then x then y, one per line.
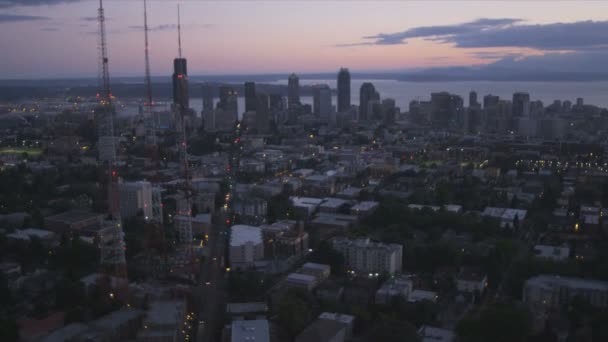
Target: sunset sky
pixel 55 38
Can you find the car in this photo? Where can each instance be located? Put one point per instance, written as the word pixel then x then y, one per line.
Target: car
pixel 208 283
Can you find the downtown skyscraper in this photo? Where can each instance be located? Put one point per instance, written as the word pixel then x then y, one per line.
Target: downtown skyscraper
pixel 343 90
pixel 293 91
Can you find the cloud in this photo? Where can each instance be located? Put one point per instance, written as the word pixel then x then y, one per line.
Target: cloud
pixel 440 31
pixel 501 33
pixel 558 36
pixel 49 29
pixel 8 18
pixel 164 27
pixel 15 3
pixel 167 27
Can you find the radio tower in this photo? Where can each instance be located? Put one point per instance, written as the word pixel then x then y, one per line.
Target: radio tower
pixel 112 248
pixel 185 209
pixel 151 120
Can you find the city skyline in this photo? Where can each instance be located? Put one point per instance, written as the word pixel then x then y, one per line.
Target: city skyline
pixel 293 36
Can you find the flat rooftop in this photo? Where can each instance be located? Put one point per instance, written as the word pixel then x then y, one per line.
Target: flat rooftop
pixel 250 330
pixel 242 234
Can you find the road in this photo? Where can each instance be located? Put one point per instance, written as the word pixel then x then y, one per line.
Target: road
pixel 213 296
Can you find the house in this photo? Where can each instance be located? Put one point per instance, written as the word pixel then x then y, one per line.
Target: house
pixel 557 253
pixel 471 281
pixel 433 334
pixel 394 287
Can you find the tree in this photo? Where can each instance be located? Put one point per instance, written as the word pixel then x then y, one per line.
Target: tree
pixel 280 207
pixel 326 254
pixel 294 313
pixel 387 329
pixel 498 323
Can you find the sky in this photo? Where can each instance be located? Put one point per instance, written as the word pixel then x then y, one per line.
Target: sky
pixel 58 38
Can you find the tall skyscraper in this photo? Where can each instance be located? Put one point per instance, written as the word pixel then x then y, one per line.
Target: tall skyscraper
pixel 250 97
pixel 321 94
pixel 180 84
pixel 521 105
pixel 446 109
pixel 293 91
pixel 490 101
pixel 343 90
pixel 262 113
pixel 367 94
pixel 473 99
pixel 227 111
pixel 207 97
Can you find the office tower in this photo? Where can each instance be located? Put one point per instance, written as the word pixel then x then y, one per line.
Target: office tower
pixel 180 84
pixel 580 102
pixel 343 90
pixel 389 111
pixel 141 198
pixel 228 102
pixel 207 97
pixel 277 102
pixel 446 109
pixel 262 113
pixel 473 99
pixel 293 91
pixel 250 97
pixel 490 101
pixel 277 108
pixel 321 94
pixel 521 105
pixel 367 94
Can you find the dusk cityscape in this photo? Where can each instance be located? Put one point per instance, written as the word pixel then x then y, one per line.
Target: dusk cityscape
pixel 303 171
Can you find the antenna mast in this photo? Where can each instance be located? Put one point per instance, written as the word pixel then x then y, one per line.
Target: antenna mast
pixel 151 131
pixel 179 34
pixel 112 250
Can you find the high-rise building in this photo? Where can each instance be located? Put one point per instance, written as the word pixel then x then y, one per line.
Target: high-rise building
pixel 293 91
pixel 250 97
pixel 226 113
pixel 389 111
pixel 262 113
pixel 446 109
pixel 207 97
pixel 343 90
pixel 367 94
pixel 321 95
pixel 521 105
pixel 473 99
pixel 490 101
pixel 140 198
pixel 180 84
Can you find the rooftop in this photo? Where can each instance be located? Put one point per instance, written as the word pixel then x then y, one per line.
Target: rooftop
pixel 242 234
pixel 558 281
pixel 251 330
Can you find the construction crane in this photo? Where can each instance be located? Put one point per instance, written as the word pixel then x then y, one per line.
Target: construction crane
pixel 112 247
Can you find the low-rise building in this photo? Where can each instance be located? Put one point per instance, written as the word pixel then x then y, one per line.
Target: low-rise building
pixel 395 287
pixel 163 322
pixel 434 334
pixel 557 253
pixel 250 330
pixel 553 291
pixel 246 246
pixel 365 256
pixel 471 281
pixel 363 209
